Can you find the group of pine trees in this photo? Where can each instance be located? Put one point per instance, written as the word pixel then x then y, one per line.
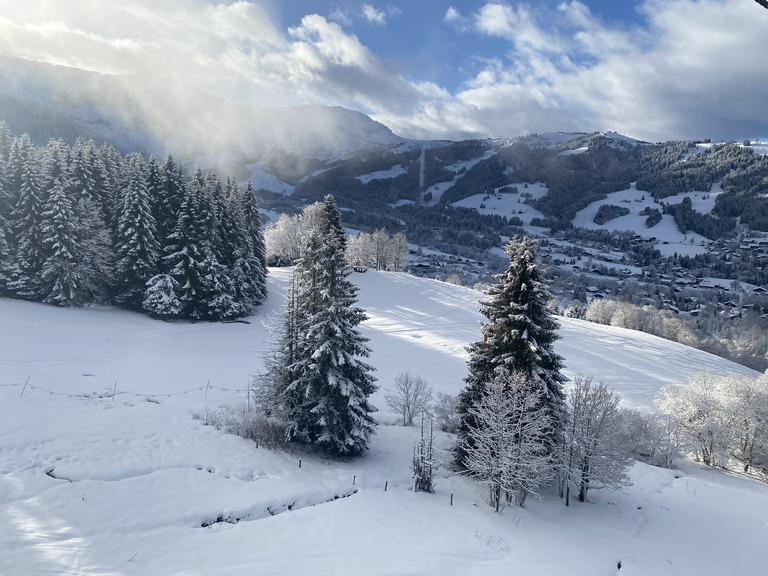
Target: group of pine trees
pixel 314 379
pixel 84 224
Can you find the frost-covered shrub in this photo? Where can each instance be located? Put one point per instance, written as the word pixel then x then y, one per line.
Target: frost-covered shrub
pixel 654 438
pixel 446 412
pixel 248 423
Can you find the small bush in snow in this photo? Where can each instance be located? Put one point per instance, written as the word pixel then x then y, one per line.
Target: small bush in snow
pixel 652 438
pixel 250 424
pixel 446 412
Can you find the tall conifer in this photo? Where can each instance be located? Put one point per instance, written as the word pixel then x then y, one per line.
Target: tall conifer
pixel 136 247
pixel 327 400
pixel 518 337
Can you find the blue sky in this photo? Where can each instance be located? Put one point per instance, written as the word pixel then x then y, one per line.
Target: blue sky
pixel 652 69
pixel 420 40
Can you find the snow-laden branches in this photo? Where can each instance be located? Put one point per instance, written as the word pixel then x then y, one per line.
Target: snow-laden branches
pixel 721 417
pixel 507 448
pixel 595 451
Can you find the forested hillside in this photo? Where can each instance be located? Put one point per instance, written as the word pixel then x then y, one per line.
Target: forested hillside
pixel 81 224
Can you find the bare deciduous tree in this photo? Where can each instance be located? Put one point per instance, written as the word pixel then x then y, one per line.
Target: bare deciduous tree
pixel 595 453
pixel 410 396
pixel 507 447
pixel 425 463
pixel 721 417
pixel 696 407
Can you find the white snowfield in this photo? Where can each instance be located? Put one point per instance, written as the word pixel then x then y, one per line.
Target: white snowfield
pixel 104 472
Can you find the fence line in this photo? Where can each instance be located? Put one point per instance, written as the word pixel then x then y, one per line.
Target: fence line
pixel 27 385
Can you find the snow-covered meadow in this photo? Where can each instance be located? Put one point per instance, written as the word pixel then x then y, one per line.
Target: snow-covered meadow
pixel 104 471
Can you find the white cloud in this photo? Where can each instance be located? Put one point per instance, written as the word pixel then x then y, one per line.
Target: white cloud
pixel 457 20
pixel 518 25
pixel 374 15
pixel 340 16
pixel 687 70
pixel 452 15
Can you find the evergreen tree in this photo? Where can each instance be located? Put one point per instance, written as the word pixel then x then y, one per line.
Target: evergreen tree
pixel 170 194
pixel 92 211
pixel 518 337
pixel 154 184
pixel 60 274
pixel 204 287
pixel 326 400
pixel 6 253
pixel 111 182
pixel 6 140
pixel 135 247
pixel 184 255
pixel 252 263
pixel 26 219
pixel 271 386
pixel 160 298
pixel 218 243
pixel 81 169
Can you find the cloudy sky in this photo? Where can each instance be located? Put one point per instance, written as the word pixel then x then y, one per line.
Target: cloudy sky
pixel 652 69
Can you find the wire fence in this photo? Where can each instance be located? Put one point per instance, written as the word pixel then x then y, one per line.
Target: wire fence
pixel 27 385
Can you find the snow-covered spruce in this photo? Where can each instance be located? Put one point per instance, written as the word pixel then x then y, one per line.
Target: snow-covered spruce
pixel 315 378
pixel 518 337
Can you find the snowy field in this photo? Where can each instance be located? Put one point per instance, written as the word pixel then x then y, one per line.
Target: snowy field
pixel 506 203
pixel 394 172
pixel 104 472
pixel 670 239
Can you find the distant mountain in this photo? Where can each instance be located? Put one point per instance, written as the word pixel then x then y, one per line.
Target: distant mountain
pixel 153 114
pixel 299 154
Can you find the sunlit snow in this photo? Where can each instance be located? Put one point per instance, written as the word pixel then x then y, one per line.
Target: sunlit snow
pixel 103 470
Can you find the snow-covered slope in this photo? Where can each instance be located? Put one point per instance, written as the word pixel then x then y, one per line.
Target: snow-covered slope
pixel 103 471
pixel 667 233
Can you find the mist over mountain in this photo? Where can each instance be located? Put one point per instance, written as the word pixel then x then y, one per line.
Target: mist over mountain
pixel 153 114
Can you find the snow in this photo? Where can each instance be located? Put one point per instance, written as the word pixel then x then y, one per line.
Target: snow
pixel 670 239
pixel 262 180
pixel 759 146
pixel 504 203
pixel 394 172
pixel 616 140
pixel 103 470
pixel 459 169
pixel 579 150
